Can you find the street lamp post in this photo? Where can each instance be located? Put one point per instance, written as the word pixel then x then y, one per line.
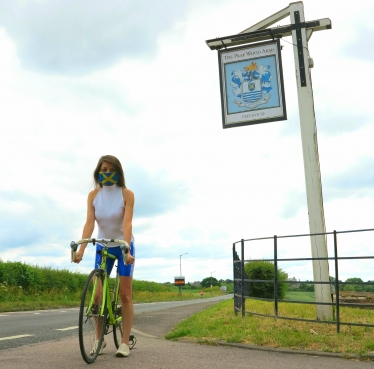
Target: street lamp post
pixel 211 279
pixel 180 269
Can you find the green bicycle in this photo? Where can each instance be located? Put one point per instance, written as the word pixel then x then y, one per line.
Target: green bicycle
pixel 100 309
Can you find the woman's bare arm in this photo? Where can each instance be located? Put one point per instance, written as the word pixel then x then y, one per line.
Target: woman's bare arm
pixel 129 200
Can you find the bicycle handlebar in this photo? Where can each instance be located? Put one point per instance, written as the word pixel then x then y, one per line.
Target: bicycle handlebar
pixel 123 244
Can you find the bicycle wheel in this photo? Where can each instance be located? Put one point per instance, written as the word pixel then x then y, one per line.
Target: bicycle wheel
pixel 117 310
pixel 91 323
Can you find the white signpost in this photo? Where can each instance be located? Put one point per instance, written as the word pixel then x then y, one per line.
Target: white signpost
pixel 301 32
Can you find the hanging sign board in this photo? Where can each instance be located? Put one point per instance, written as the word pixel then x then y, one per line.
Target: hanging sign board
pixel 251 82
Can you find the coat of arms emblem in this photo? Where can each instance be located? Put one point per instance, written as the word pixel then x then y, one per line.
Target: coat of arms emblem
pixel 251 85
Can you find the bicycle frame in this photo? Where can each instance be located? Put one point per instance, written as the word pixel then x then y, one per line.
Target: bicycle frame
pixel 111 319
pixel 106 291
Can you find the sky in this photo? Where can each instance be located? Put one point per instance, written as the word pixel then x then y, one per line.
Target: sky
pixel 136 80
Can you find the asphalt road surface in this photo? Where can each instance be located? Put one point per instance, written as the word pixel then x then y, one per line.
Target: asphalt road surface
pixel 25 328
pixel 151 323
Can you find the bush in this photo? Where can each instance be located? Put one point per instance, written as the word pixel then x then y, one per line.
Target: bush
pixel 2 272
pixel 208 289
pixel 230 287
pixel 16 274
pixel 150 286
pixel 264 270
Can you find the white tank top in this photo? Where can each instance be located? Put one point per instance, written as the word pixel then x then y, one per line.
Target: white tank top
pixel 109 212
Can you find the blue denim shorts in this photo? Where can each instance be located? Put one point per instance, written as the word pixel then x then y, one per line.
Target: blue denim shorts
pixel 123 269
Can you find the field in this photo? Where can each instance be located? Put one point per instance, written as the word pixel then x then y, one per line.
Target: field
pixel 16 298
pixel 300 296
pixel 30 287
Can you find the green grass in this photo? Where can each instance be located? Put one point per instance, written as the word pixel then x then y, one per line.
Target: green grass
pixel 219 323
pixel 30 287
pixel 18 299
pixel 300 296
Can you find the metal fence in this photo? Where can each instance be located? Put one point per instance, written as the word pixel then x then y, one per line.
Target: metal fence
pixel 243 256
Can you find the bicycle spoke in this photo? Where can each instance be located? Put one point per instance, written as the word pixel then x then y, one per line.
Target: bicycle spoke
pixel 91 323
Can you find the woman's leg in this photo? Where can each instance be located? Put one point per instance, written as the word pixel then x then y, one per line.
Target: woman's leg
pixel 127 307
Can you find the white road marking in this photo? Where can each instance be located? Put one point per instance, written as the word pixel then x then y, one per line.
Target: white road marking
pixel 66 329
pixel 36 313
pixel 14 337
pixel 4 315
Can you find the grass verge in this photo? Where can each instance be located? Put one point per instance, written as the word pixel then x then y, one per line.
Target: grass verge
pixel 219 323
pixel 19 300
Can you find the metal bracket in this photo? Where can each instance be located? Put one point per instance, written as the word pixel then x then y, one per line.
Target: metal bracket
pixel 267 34
pixel 300 49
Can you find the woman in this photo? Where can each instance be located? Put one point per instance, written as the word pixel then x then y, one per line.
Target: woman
pixel 111 205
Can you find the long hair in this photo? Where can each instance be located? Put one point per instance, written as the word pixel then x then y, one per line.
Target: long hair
pixel 117 166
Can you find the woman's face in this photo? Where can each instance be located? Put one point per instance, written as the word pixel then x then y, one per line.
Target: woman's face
pixel 107 167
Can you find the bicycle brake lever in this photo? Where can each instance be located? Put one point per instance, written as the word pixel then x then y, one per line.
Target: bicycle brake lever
pixel 74 248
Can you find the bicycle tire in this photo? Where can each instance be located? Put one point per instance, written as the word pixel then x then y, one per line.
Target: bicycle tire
pixel 90 318
pixel 117 327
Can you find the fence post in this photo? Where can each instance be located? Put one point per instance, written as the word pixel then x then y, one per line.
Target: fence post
pixel 242 275
pixel 275 277
pixel 336 283
pixel 235 275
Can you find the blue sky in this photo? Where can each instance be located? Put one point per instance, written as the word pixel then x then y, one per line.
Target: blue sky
pixel 136 80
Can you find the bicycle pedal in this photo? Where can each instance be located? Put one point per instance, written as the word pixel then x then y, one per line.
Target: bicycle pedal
pixel 132 341
pixel 95 309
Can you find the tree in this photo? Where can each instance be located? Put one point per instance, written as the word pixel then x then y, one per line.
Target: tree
pixel 370 287
pixel 206 282
pixel 264 270
pixel 354 287
pixel 307 287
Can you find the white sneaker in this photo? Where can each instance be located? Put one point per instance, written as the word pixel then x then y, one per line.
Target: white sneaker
pixel 123 350
pixel 103 345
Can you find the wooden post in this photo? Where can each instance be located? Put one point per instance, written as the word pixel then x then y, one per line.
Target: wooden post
pixel 311 161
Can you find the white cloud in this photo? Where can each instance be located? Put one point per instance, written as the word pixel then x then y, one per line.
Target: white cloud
pixel 66 37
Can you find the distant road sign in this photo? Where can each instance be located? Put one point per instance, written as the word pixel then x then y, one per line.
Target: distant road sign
pixel 179 281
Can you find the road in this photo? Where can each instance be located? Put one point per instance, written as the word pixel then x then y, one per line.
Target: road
pixel 25 328
pixel 150 352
